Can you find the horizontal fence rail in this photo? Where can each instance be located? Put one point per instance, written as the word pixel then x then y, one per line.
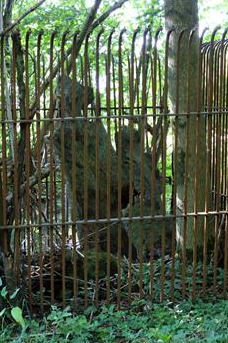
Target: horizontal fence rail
pixel 114 167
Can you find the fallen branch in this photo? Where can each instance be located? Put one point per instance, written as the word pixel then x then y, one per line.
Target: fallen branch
pixel 33 180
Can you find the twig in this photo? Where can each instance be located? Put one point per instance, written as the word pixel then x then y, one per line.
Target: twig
pixel 21 17
pixel 93 233
pixel 33 180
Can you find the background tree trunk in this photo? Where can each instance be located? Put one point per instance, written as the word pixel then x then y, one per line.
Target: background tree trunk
pixel 191 159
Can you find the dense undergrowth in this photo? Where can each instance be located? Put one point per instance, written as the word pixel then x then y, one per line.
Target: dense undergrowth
pixel 144 323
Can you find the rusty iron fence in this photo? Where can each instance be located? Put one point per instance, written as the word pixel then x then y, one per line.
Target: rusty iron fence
pixel 89 168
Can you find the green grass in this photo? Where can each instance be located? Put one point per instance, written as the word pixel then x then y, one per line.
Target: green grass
pixel 144 323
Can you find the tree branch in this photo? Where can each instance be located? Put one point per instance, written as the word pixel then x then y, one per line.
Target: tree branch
pixel 19 19
pixel 88 21
pixel 107 13
pixel 89 26
pixel 19 60
pixel 7 17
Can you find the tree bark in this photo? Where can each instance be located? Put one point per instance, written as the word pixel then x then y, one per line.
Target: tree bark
pixel 108 177
pixel 191 152
pixel 87 168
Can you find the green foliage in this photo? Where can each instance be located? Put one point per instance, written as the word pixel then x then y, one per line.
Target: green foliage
pixel 185 322
pixel 143 322
pixel 16 313
pixel 151 281
pixel 8 310
pixel 68 14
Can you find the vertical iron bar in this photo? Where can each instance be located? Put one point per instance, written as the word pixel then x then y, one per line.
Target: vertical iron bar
pixel 51 160
pixel 62 140
pixel 38 156
pixel 27 166
pixel 225 172
pixel 131 166
pixel 197 139
pixel 142 124
pixel 97 166
pixel 208 160
pixel 218 158
pixel 15 169
pixel 223 129
pixel 183 276
pixel 108 90
pixel 119 163
pixel 74 172
pixel 85 172
pixel 114 91
pixel 154 72
pixel 187 149
pixel 164 130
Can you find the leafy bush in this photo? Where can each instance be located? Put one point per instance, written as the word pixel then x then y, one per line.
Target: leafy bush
pixel 143 322
pixel 185 322
pixel 8 310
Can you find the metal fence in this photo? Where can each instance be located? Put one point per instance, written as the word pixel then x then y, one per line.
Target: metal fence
pixel 90 168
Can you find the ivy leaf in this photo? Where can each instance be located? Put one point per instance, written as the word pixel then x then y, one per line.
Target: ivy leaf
pixel 2 312
pixel 14 294
pixel 4 292
pixel 16 313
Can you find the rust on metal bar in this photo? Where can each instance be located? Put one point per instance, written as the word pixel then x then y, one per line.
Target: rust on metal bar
pixel 163 132
pixel 180 37
pixel 97 166
pixel 38 156
pixel 119 162
pixel 27 165
pixel 209 148
pixel 15 154
pixel 62 139
pixel 131 169
pixel 108 166
pixel 74 179
pixel 85 170
pixel 197 139
pixel 51 159
pixel 153 167
pixel 191 37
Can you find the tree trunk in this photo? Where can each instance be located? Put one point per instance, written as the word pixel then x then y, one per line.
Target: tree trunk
pixel 85 136
pixel 190 149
